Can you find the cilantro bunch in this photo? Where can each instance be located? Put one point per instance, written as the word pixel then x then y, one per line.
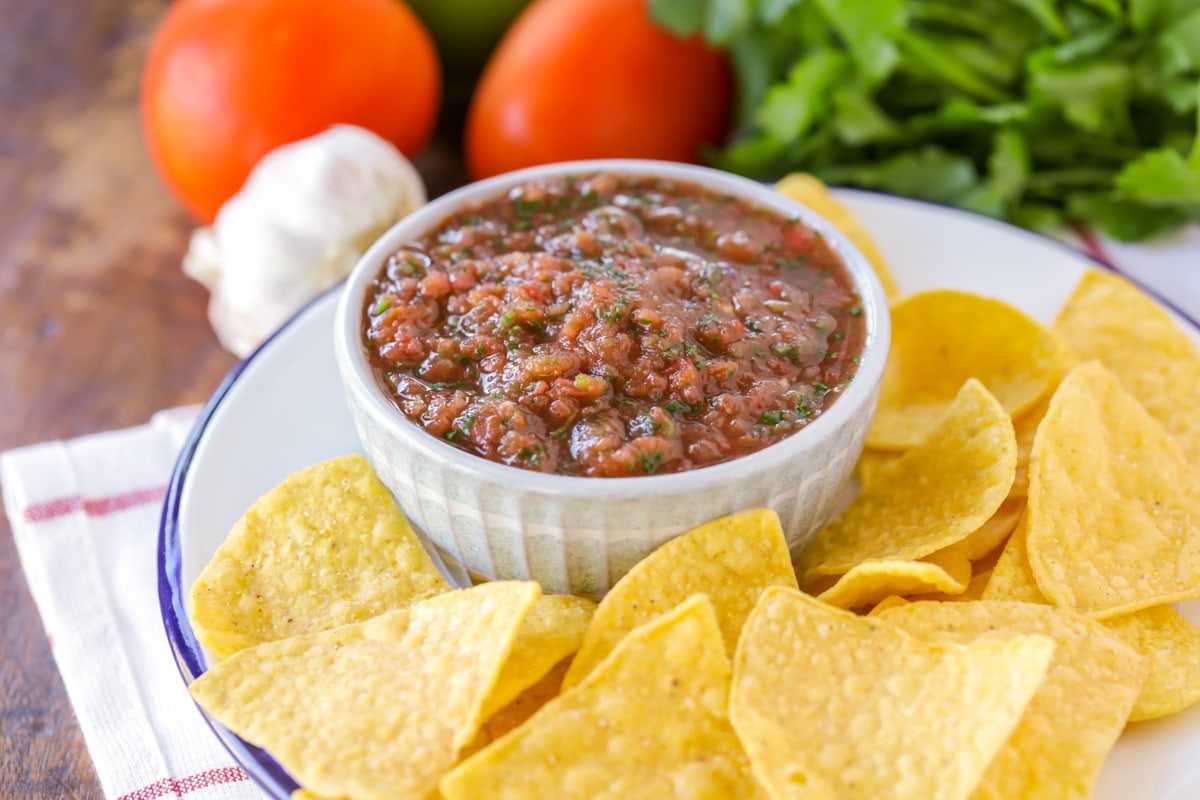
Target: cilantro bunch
pixel 1037 111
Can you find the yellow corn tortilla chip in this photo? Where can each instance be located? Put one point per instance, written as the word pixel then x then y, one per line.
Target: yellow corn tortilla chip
pixel 326 547
pixel 980 577
pixel 1011 577
pixel 953 483
pixel 886 603
pixel 1025 427
pixel 879 466
pixel 1171 645
pixel 1026 423
pixel 942 338
pixel 991 535
pixel 985 541
pixel 875 467
pixel 981 549
pixel 1109 319
pixel 553 630
pixel 1113 523
pixel 731 559
pixel 1079 710
pixel 810 191
pixel 974 591
pixel 376 709
pixel 826 703
pixel 872 581
pixel 650 721
pixel 522 708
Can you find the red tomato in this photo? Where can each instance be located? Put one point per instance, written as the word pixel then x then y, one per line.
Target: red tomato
pixel 594 79
pixel 226 81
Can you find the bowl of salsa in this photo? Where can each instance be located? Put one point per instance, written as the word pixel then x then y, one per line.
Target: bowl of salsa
pixel 558 369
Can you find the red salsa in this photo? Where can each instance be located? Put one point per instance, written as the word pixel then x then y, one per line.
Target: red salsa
pixel 612 325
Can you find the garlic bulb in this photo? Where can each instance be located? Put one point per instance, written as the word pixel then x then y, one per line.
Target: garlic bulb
pixel 306 214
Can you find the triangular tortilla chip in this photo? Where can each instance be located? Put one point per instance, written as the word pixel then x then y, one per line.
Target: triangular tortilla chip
pixel 1113 521
pixel 650 721
pixel 376 709
pixel 326 547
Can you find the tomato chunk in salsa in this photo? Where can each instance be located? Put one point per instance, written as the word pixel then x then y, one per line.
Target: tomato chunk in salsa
pixel 612 325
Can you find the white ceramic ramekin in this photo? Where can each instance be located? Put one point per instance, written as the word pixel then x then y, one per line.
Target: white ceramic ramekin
pixel 576 534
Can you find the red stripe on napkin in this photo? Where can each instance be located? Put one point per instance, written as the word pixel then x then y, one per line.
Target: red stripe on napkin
pixel 93 506
pixel 201 780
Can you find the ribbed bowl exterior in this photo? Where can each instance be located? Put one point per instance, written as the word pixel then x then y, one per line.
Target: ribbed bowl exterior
pixel 582 544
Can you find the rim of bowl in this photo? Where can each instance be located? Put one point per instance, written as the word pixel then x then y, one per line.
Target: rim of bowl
pixel 357 375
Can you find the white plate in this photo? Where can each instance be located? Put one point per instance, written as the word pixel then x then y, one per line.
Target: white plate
pixel 282 410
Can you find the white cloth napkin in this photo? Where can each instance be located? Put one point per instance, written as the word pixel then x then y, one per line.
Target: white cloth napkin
pixel 85 516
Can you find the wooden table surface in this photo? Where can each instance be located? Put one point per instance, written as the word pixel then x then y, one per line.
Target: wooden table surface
pixel 99 328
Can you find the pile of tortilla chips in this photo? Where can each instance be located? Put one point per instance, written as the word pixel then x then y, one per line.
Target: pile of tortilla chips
pixel 705 672
pixel 982 620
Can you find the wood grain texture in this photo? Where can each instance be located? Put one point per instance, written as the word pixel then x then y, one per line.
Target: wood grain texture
pixel 99 328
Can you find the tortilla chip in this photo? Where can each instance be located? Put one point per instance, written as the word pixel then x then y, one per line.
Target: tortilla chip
pixel 877 467
pixel 731 559
pixel 829 704
pixel 953 483
pixel 1079 710
pixel 376 709
pixel 326 547
pixel 872 581
pixel 984 544
pixel 810 191
pixel 940 339
pixel 552 631
pixel 1025 427
pixel 974 591
pixel 1113 523
pixel 991 535
pixel 1171 645
pixel 525 705
pixel 1012 578
pixel 1111 320
pixel 886 603
pixel 650 721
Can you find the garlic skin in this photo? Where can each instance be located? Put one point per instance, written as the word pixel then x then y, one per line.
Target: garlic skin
pixel 304 217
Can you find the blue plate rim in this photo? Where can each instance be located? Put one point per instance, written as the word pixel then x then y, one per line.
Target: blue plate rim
pixel 262 768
